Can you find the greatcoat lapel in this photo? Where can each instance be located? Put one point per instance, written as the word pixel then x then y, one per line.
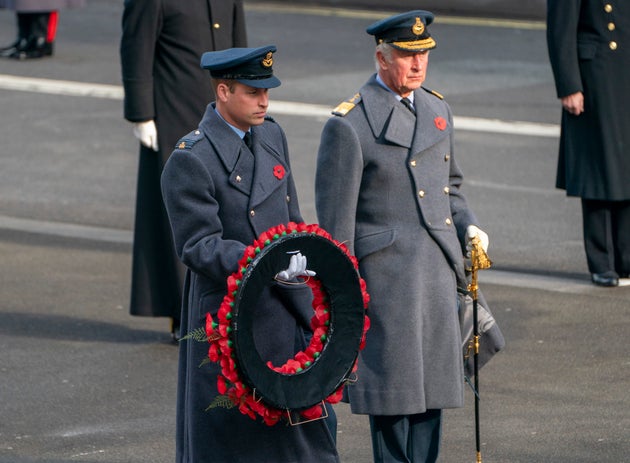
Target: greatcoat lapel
pixel 398 125
pixel 270 170
pixel 229 148
pixel 427 130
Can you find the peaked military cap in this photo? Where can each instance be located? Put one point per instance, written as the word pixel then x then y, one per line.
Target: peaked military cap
pixel 405 31
pixel 249 66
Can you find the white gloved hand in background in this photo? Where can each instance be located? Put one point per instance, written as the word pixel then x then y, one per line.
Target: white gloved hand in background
pixel 473 231
pixel 146 132
pixel 297 267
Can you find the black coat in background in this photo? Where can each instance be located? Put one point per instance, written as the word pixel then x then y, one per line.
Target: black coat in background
pixel 589 50
pixel 160 51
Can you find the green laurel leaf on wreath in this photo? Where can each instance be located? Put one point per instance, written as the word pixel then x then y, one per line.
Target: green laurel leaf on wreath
pixel 222 401
pixel 198 335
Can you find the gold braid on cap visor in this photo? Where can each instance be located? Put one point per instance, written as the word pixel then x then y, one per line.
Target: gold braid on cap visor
pixel 423 44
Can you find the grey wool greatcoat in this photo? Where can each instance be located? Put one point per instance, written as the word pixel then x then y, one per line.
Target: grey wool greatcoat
pixel 25 6
pixel 388 185
pixel 219 198
pixel 589 50
pixel 160 51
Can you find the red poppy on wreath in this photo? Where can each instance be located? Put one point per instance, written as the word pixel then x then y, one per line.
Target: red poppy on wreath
pixel 233 388
pixel 278 172
pixel 440 122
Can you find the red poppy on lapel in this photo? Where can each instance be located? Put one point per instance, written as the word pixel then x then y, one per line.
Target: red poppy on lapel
pixel 440 122
pixel 278 172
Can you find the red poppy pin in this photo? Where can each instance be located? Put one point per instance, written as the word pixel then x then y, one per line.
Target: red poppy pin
pixel 278 172
pixel 440 123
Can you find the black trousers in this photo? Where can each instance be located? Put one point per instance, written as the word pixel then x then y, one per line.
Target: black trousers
pixel 39 24
pixel 406 438
pixel 606 226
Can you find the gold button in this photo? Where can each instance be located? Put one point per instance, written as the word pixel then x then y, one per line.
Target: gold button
pixel 238 179
pixel 448 221
pixel 447 157
pixel 611 26
pixel 197 132
pixel 288 199
pixel 421 193
pixel 608 8
pixel 446 190
pixel 182 145
pixel 216 25
pixel 413 163
pixel 252 213
pixel 613 45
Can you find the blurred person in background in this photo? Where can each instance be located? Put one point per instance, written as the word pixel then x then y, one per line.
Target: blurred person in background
pixel 589 50
pixel 36 27
pixel 166 94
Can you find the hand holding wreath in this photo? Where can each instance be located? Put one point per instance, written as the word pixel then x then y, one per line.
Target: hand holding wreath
pixel 339 324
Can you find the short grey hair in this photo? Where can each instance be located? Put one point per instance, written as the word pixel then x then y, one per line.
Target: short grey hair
pixel 387 50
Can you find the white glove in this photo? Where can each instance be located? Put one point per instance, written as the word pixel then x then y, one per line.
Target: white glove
pixel 297 267
pixel 146 133
pixel 473 231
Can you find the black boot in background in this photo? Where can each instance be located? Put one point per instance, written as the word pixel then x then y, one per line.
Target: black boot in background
pixel 23 31
pixel 36 35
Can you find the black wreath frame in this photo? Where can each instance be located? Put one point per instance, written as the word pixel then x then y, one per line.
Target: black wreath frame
pixel 333 367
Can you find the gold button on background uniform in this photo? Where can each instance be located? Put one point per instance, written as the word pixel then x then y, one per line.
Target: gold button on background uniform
pixel 216 25
pixel 611 26
pixel 252 213
pixel 613 45
pixel 413 163
pixel 448 221
pixel 238 178
pixel 446 190
pixel 288 199
pixel 447 157
pixel 421 193
pixel 608 8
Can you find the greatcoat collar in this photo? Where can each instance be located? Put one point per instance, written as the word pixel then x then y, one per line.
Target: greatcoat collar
pixel 240 162
pixel 396 124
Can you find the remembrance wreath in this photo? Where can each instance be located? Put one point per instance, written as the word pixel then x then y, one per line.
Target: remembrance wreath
pixel 339 325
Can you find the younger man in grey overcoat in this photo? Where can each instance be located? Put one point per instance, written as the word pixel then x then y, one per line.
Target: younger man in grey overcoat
pixel 387 185
pixel 221 193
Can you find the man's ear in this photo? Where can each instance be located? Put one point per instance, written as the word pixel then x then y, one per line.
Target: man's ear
pixel 380 59
pixel 222 92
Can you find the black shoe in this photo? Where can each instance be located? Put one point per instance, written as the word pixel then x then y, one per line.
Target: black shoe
pixel 9 47
pixel 175 330
pixel 608 279
pixel 19 44
pixel 35 47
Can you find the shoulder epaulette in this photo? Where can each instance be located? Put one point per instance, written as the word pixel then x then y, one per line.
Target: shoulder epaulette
pixel 345 107
pixel 187 142
pixel 433 92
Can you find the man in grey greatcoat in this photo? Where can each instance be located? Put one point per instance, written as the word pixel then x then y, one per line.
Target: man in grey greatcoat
pixel 221 192
pixel 589 50
pixel 387 185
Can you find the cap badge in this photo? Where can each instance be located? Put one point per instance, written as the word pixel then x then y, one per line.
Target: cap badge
pixel 268 60
pixel 418 27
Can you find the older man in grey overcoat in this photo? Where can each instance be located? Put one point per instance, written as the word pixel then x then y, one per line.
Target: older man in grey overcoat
pixel 388 185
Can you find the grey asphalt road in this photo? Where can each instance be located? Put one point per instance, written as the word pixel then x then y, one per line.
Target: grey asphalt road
pixel 82 381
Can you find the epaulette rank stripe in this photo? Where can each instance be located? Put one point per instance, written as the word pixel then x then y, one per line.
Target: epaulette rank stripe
pixel 346 106
pixel 434 93
pixel 186 143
